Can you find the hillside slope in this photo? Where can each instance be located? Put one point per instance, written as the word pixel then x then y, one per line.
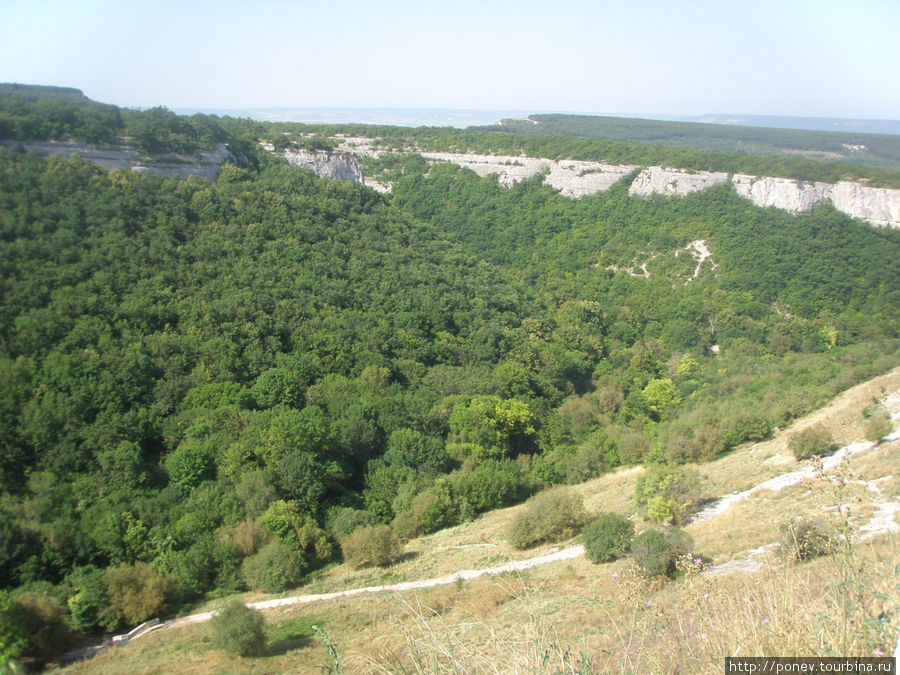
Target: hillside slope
pixel 570 612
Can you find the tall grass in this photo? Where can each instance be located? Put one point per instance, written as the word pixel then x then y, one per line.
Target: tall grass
pixel 843 603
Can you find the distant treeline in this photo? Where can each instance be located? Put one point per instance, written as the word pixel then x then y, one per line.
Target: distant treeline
pixel 880 151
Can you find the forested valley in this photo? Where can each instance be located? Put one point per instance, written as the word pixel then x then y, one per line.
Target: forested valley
pixel 207 385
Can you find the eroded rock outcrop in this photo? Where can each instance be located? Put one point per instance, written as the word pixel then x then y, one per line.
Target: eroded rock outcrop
pixel 784 193
pixel 326 163
pixel 573 178
pixel 878 206
pixel 576 178
pixel 673 182
pixel 203 163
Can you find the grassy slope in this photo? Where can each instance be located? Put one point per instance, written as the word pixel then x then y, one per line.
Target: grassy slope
pixel 569 614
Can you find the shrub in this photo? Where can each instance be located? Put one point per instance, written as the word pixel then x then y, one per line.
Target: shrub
pixel 804 539
pixel 747 427
pixel 694 440
pixel 552 515
pixel 299 531
pixel 274 569
pixel 239 630
pixel 667 493
pixel 13 639
pixel 813 441
pixel 249 537
pixel 655 552
pixel 490 485
pixel 376 545
pixel 429 511
pixel 46 631
pixel 136 593
pixel 607 537
pixel 89 605
pixel 589 462
pixel 342 521
pixel 878 424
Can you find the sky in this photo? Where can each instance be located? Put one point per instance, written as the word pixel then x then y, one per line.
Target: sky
pixel 819 58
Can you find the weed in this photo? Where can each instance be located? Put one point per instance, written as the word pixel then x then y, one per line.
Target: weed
pixel 331 649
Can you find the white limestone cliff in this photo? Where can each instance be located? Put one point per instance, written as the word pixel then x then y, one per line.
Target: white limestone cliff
pixel 577 178
pixel 673 182
pixel 878 206
pixel 203 163
pixel 784 193
pixel 326 163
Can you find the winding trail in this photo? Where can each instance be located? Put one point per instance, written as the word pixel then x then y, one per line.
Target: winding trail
pixel 553 555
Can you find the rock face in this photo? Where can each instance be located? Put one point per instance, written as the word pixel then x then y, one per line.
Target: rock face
pixel 878 206
pixel 203 163
pixel 508 169
pixel 573 178
pixel 673 182
pixel 783 193
pixel 326 163
pixel 576 178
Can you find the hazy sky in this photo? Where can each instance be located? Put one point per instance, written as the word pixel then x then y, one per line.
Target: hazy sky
pixel 819 58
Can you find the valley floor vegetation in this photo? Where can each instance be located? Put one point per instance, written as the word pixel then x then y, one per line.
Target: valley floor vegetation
pixel 209 387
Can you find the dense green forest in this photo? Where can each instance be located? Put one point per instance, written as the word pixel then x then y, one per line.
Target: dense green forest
pixel 207 385
pixel 881 150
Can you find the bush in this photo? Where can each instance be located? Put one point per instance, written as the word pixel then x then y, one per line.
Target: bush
pixel 490 485
pixel 342 521
pixel 46 631
pixel 429 511
pixel 377 545
pixel 667 493
pixel 249 537
pixel 299 531
pixel 136 593
pixel 239 630
pixel 813 441
pixel 13 639
pixel 655 552
pixel 607 537
pixel 747 427
pixel 89 605
pixel 804 539
pixel 878 424
pixel 589 462
pixel 552 515
pixel 274 569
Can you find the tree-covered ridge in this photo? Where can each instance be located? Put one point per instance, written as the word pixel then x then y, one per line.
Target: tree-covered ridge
pixel 880 150
pixel 207 385
pixel 42 113
pixel 54 113
pixel 560 146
